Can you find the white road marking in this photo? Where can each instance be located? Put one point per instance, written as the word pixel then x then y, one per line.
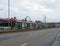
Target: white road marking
pixel 24 44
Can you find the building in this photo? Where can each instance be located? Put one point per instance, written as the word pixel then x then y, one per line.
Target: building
pixel 13 23
pixel 53 24
pixel 22 24
pixel 38 24
pixel 57 24
pixel 50 25
pixel 6 23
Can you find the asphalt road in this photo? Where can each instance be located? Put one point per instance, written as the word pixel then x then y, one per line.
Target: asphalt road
pixel 33 38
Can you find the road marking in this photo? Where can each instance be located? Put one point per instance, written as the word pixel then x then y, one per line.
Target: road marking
pixel 24 44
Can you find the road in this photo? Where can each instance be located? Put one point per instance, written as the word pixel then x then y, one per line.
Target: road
pixel 33 38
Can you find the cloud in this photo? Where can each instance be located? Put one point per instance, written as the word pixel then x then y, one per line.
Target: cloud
pixel 33 8
pixel 14 9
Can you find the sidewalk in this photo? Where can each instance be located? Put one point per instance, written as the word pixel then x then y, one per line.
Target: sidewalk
pixel 57 41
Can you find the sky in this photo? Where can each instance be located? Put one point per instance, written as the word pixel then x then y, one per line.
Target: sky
pixel 35 9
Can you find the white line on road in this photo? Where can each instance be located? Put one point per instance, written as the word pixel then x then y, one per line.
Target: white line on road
pixel 24 44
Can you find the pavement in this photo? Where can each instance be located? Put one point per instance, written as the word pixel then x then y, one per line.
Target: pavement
pixel 45 37
pixel 57 41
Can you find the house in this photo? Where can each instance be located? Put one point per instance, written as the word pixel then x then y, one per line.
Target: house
pixel 50 25
pixel 38 24
pixel 4 23
pixel 57 24
pixel 29 24
pixel 22 24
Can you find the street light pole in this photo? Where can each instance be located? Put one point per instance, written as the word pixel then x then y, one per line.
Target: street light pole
pixel 44 21
pixel 8 13
pixel 9 9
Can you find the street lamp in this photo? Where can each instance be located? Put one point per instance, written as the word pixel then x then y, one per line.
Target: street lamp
pixel 44 21
pixel 8 13
pixel 9 9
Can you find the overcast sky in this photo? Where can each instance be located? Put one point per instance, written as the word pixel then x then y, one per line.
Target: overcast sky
pixel 36 9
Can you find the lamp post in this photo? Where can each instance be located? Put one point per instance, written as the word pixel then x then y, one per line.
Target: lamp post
pixel 8 8
pixel 8 13
pixel 44 21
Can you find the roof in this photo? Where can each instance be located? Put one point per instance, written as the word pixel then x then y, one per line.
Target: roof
pixel 24 21
pixel 14 20
pixel 4 18
pixel 53 23
pixel 21 21
pixel 7 19
pixel 38 22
